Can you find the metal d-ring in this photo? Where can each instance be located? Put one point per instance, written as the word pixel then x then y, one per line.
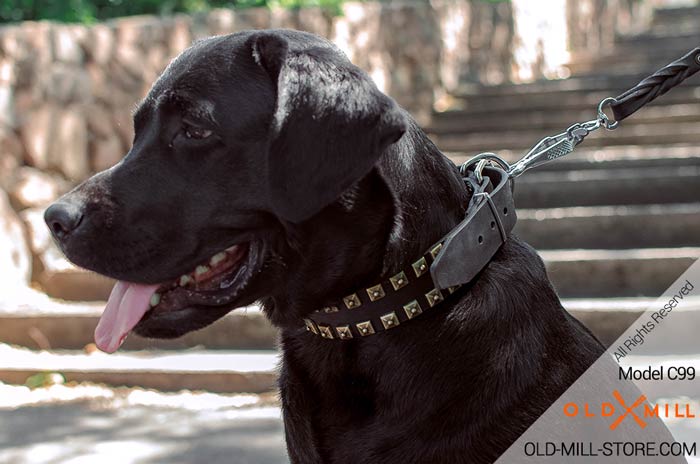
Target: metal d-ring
pixel 603 118
pixel 481 160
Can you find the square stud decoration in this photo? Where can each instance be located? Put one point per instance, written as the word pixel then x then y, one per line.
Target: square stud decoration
pixel 365 328
pixel 453 289
pixel 399 280
pixel 344 332
pixel 325 331
pixel 376 293
pixel 420 267
pixel 310 326
pixel 436 250
pixel 412 309
pixel 352 301
pixel 389 321
pixel 330 309
pixel 434 297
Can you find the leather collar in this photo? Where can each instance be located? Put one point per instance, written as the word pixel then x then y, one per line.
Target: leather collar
pixel 453 261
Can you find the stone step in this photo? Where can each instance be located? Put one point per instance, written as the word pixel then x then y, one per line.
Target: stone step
pixel 584 102
pixel 672 15
pixel 634 57
pixel 631 186
pixel 616 273
pixel 601 158
pixel 611 227
pixel 552 119
pixel 582 85
pixel 658 38
pixel 219 372
pixel 509 138
pixel 35 321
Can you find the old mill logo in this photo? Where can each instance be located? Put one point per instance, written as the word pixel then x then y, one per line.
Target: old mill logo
pixel 636 411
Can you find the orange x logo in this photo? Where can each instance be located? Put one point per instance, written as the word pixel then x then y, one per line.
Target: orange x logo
pixel 628 410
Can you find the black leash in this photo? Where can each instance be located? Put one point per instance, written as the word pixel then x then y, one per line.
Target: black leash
pixel 458 257
pixel 656 85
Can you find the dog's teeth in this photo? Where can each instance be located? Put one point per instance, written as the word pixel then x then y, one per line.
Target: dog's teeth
pixel 155 299
pixel 231 249
pixel 201 270
pixel 217 258
pixel 184 280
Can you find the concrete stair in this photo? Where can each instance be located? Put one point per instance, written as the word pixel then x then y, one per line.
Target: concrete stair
pixel 220 371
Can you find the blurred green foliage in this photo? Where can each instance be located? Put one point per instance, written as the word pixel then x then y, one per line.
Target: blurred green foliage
pixel 90 11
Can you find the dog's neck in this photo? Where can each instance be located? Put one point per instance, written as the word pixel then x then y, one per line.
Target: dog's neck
pixel 429 197
pixel 379 226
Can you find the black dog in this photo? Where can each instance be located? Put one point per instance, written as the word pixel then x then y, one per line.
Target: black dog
pixel 272 146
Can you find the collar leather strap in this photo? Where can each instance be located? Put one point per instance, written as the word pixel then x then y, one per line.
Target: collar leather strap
pixel 452 262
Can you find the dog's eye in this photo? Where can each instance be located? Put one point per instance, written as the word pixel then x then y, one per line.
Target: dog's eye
pixel 198 133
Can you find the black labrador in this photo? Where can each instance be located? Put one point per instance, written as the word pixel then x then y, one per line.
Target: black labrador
pixel 266 167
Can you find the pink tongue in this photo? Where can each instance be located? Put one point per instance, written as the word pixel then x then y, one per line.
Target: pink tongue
pixel 126 306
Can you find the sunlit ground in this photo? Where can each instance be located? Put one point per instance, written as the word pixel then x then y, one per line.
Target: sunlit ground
pixel 90 423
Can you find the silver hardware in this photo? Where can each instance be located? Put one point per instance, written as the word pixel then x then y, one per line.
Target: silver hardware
pixel 547 149
pixel 603 118
pixel 325 331
pixel 420 266
pixel 412 309
pixel 344 332
pixel 390 320
pixel 434 297
pixel 310 326
pixel 399 280
pixel 352 301
pixel 365 328
pixel 376 293
pixel 488 156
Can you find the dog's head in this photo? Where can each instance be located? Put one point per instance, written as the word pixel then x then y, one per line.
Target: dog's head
pixel 242 138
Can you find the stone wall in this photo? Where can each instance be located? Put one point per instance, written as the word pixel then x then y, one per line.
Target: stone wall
pixel 593 25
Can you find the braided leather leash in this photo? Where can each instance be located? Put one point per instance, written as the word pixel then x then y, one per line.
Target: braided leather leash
pixel 656 85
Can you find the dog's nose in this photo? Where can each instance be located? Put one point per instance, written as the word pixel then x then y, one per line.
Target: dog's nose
pixel 63 218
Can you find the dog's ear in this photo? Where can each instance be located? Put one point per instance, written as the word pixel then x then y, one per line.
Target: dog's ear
pixel 330 126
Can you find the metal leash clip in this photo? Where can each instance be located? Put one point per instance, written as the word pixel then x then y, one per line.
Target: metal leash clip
pixel 547 149
pixel 551 148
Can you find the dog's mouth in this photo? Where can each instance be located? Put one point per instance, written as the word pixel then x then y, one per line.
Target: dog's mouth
pixel 217 282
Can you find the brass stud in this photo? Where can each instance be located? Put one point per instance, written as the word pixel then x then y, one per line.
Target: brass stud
pixel 344 332
pixel 412 309
pixel 365 328
pixel 434 297
pixel 436 250
pixel 453 289
pixel 352 301
pixel 330 309
pixel 420 266
pixel 376 293
pixel 310 326
pixel 325 331
pixel 389 320
pixel 399 280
